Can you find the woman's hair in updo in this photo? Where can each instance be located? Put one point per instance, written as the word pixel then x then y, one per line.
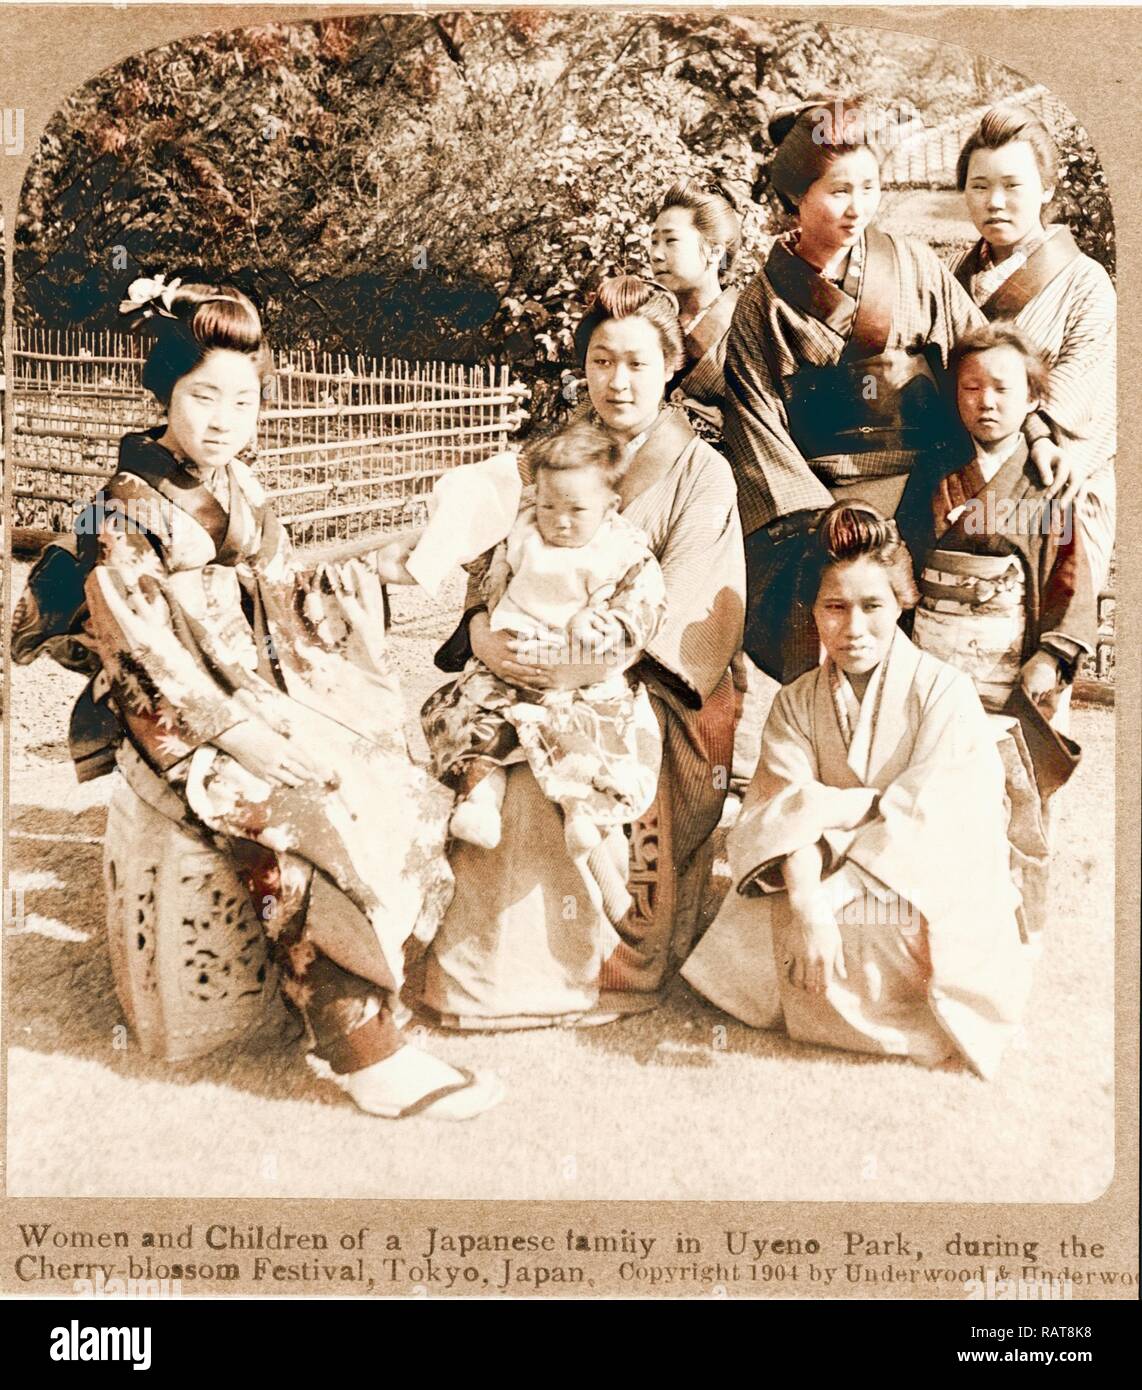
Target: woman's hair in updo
pixel 714 215
pixel 629 296
pixel 1003 125
pixel 854 531
pixel 808 138
pixel 205 317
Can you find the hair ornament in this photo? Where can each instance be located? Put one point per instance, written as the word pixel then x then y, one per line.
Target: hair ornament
pixel 148 296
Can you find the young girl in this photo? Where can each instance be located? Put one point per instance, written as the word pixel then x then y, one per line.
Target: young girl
pixel 695 239
pixel 874 908
pixel 1035 276
pixel 260 709
pixel 574 576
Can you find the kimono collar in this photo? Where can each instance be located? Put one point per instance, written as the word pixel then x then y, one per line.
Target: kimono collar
pixel 667 436
pixel 144 457
pixel 871 737
pixel 709 326
pixel 861 313
pixel 858 719
pixel 1041 261
pixel 953 493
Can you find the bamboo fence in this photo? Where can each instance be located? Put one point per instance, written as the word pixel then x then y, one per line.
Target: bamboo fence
pixel 347 445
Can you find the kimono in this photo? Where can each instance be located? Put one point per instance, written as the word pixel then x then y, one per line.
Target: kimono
pixel 834 391
pixel 903 792
pixel 1065 303
pixel 520 946
pixel 1005 575
pixel 594 750
pixel 202 618
pixel 700 387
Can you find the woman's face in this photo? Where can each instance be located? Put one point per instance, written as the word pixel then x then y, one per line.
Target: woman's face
pixel 626 373
pixel 1005 193
pixel 213 411
pixel 840 204
pixel 856 613
pixel 679 256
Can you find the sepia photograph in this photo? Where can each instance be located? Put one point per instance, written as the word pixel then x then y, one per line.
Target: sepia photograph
pixel 560 633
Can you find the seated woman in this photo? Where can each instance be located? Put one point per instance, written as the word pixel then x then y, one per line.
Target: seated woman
pixel 873 907
pixel 523 943
pixel 259 708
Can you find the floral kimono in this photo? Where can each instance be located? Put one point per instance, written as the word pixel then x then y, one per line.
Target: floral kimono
pixel 903 791
pixel 519 946
pixel 1065 303
pixel 594 750
pixel 832 391
pixel 203 618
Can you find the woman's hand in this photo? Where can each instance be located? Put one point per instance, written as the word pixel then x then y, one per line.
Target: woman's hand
pixel 273 757
pixel 1040 678
pixel 814 943
pixel 534 665
pixel 1052 465
pixel 390 559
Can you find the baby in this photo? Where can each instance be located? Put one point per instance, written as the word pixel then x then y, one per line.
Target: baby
pixel 580 585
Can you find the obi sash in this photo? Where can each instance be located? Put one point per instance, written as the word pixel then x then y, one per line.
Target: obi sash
pixel 972 615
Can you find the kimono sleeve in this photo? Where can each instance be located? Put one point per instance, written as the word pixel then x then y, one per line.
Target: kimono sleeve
pixel 953 311
pixel 788 807
pixel 703 569
pixel 767 463
pixel 169 700
pixel 638 601
pixel 472 508
pixel 1068 606
pixel 1086 359
pixel 939 838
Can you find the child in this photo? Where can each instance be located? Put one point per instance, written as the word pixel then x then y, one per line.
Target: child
pixel 578 583
pixel 1005 592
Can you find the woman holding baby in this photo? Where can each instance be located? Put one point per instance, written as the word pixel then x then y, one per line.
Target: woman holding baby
pixel 527 942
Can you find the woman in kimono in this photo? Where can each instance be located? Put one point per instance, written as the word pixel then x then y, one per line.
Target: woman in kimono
pixel 260 709
pixel 695 238
pixel 523 944
pixel 1035 276
pixel 872 907
pixel 834 369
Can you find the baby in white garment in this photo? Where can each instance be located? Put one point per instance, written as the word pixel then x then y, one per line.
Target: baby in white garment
pixel 581 583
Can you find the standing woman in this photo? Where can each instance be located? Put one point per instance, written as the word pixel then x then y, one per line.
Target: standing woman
pixel 1063 301
pixel 834 368
pixel 259 708
pixel 521 944
pixel 695 238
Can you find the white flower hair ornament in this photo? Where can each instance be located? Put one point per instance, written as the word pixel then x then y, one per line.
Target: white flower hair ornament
pixel 149 296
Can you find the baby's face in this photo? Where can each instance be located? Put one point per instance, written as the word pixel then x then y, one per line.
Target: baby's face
pixel 570 504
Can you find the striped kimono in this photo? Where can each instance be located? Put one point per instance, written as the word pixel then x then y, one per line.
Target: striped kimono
pixel 701 385
pixel 790 324
pixel 521 946
pixel 1065 303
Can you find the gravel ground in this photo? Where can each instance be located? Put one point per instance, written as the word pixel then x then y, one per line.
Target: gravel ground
pixel 680 1103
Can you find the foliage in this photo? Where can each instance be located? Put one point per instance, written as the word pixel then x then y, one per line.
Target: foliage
pixel 446 185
